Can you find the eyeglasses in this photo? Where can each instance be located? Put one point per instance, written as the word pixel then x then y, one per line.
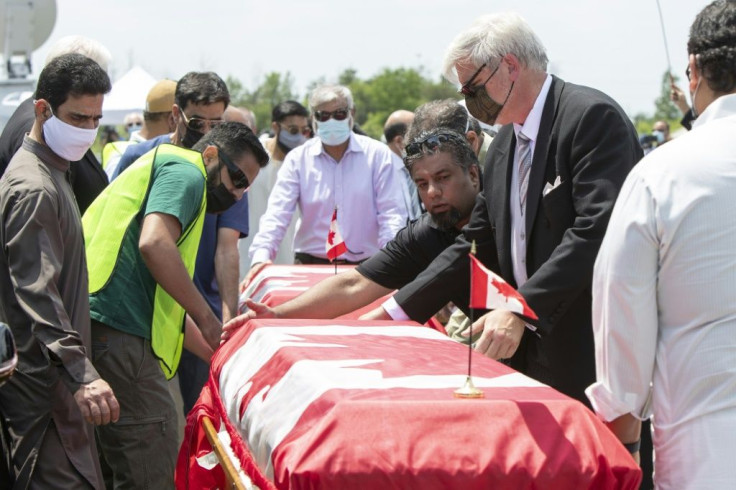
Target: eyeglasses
pixel 469 90
pixel 431 143
pixel 200 124
pixel 338 115
pixel 239 179
pixel 296 129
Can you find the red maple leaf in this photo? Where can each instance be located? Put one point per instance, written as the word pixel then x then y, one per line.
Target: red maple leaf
pixel 331 237
pixel 504 289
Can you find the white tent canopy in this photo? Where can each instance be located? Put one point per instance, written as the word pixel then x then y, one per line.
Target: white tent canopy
pixel 128 94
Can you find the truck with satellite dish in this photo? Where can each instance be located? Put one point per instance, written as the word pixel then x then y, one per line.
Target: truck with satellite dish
pixel 24 26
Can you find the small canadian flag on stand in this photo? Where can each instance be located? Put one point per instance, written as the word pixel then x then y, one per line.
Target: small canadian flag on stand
pixel 335 245
pixel 490 291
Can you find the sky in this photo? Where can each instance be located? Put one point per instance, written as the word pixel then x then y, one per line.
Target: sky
pixel 615 46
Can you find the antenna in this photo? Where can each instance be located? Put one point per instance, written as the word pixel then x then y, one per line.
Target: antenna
pixel 24 26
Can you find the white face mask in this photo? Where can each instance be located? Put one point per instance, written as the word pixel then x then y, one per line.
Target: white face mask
pixel 67 141
pixel 333 132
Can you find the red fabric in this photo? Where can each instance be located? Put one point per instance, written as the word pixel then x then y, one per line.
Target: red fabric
pixel 335 245
pixel 490 291
pixel 369 410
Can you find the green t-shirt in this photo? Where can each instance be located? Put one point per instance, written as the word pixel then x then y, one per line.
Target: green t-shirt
pixel 126 302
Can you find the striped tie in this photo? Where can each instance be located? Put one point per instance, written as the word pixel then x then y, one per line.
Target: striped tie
pixel 525 164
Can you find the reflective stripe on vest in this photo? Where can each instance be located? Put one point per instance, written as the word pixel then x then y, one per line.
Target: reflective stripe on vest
pixel 111 216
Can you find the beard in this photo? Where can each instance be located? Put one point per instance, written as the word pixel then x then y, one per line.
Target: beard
pixel 446 220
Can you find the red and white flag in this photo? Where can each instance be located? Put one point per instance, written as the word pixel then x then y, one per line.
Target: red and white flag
pixel 335 245
pixel 490 291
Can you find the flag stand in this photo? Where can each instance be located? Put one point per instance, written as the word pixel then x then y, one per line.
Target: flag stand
pixel 468 390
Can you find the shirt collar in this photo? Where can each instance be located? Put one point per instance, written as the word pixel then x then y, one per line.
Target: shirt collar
pixel 723 106
pixel 45 154
pixel 530 128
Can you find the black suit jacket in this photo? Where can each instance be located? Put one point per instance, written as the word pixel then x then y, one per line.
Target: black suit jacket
pixel 86 176
pixel 587 141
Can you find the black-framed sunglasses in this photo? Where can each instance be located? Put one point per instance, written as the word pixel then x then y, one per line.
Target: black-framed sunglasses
pixel 237 176
pixel 469 90
pixel 431 143
pixel 338 115
pixel 200 124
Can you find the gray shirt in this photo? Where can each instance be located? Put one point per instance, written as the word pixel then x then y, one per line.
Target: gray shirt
pixel 44 299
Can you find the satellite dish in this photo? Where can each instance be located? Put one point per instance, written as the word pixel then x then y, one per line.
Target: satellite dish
pixel 25 24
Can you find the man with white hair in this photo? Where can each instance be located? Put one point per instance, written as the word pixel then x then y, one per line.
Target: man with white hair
pixel 87 177
pixel 551 177
pixel 336 170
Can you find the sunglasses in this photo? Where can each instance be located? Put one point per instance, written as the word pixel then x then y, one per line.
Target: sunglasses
pixel 239 179
pixel 469 90
pixel 296 129
pixel 338 115
pixel 430 143
pixel 200 124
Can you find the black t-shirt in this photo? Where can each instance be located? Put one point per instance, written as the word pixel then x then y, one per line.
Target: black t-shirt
pixel 86 176
pixel 408 254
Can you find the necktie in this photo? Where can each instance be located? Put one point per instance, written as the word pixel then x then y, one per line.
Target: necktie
pixel 525 164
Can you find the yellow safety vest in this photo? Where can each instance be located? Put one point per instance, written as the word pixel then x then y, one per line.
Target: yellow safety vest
pixel 114 215
pixel 113 148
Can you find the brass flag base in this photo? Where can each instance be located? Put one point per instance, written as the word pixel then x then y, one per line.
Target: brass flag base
pixel 468 390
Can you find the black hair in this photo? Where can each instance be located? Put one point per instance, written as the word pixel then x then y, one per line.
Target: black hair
pixel 288 108
pixel 71 74
pixel 713 42
pixel 447 114
pixel 235 139
pixel 201 88
pixel 394 130
pixel 453 143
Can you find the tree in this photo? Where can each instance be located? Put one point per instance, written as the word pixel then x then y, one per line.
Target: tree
pixel 664 107
pixel 274 89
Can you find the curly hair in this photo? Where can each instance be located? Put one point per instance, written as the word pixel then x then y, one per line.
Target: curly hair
pixel 713 42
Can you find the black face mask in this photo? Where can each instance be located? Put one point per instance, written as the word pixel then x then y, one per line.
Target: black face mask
pixel 482 107
pixel 219 199
pixel 190 138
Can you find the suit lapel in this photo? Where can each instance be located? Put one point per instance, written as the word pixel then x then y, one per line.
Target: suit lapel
pixel 499 166
pixel 541 155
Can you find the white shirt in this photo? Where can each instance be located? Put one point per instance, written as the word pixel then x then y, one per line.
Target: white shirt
pixel 530 129
pixel 664 303
pixel 363 186
pixel 409 193
pixel 258 194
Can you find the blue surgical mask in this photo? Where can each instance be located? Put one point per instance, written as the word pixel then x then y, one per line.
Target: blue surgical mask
pixel 659 135
pixel 332 132
pixel 291 141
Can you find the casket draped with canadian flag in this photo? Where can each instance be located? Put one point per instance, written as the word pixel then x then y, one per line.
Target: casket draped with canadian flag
pixel 344 404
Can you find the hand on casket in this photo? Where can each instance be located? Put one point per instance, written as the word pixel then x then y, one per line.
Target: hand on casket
pixel 502 331
pixel 255 310
pixel 253 272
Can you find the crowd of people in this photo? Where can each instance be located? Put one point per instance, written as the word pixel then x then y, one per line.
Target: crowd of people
pixel 115 279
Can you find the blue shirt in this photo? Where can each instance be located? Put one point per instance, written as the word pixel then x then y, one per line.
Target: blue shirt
pixel 236 218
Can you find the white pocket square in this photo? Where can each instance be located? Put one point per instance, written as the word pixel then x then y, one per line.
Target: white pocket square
pixel 550 187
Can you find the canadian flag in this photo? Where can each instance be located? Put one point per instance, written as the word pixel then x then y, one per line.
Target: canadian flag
pixel 335 245
pixel 490 291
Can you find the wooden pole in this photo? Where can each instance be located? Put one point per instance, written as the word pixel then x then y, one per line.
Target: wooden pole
pixel 230 472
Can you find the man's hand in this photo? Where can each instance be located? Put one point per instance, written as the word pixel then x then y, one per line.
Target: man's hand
pixel 256 310
pixel 502 331
pixel 211 329
pixel 97 402
pixel 255 269
pixel 678 97
pixel 376 314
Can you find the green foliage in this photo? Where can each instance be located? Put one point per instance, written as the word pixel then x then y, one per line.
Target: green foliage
pixel 375 98
pixel 664 110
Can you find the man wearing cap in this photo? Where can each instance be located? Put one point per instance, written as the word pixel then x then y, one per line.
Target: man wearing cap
pixel 157 120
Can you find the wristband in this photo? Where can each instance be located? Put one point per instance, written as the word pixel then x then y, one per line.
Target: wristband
pixel 633 447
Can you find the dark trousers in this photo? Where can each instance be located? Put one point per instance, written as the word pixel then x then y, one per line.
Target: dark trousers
pixel 302 258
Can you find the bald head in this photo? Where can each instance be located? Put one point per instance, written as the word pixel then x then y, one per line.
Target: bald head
pixel 241 115
pixel 395 129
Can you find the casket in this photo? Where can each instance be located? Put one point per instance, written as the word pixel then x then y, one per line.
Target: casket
pixel 345 404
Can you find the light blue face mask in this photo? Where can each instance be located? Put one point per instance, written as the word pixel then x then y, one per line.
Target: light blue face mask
pixel 659 135
pixel 332 132
pixel 291 141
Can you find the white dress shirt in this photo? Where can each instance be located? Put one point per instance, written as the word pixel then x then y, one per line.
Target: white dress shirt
pixel 363 185
pixel 530 129
pixel 664 303
pixel 408 188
